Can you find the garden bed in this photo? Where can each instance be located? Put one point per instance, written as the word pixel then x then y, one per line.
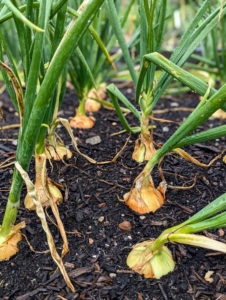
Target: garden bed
pixel 92 211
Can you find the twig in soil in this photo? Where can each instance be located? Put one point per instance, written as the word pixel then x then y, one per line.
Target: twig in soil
pixel 186 209
pixel 109 190
pixel 31 294
pixel 81 193
pixel 214 254
pixel 10 126
pixel 164 120
pixel 198 276
pixel 125 271
pixel 3 165
pixel 60 297
pixel 53 277
pixel 93 283
pixel 162 111
pixel 162 290
pixel 8 140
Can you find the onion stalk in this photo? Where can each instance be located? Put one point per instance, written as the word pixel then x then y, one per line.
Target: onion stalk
pixel 153 259
pixel 37 101
pixel 148 91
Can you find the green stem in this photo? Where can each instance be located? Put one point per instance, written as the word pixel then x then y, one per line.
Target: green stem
pixel 144 124
pixel 81 111
pixel 159 242
pixel 41 104
pixel 12 206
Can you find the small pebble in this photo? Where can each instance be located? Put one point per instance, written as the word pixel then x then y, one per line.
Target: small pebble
pixel 174 104
pixel 14 142
pixel 165 129
pixel 125 225
pixel 112 275
pixel 91 241
pixel 142 217
pixel 221 232
pixel 127 238
pixel 93 140
pixel 100 219
pixel 165 223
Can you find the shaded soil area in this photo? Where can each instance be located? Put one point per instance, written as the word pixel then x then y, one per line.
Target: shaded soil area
pixel 91 213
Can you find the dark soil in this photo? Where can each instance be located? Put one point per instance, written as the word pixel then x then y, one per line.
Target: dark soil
pixel 91 213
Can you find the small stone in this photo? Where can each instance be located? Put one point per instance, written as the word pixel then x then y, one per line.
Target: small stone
pixel 165 129
pixel 125 225
pixel 69 265
pixel 99 173
pixel 165 223
pixel 14 142
pixel 61 180
pixel 142 217
pixel 114 123
pixel 112 275
pixel 208 277
pixel 221 232
pixel 174 104
pixel 91 241
pixel 100 219
pixel 123 171
pixel 94 140
pixel 127 238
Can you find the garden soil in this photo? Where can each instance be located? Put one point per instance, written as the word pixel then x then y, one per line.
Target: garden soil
pixel 92 211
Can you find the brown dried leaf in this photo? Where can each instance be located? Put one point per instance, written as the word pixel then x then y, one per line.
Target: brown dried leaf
pixel 9 247
pixel 40 212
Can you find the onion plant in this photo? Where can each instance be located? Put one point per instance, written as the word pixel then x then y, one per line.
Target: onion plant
pixel 143 197
pixel 36 105
pixel 153 259
pixel 91 65
pixel 148 90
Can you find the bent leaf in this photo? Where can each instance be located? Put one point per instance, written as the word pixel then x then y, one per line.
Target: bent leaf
pixel 17 89
pixel 20 16
pixel 198 240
